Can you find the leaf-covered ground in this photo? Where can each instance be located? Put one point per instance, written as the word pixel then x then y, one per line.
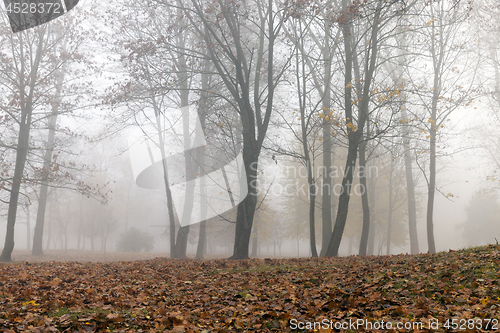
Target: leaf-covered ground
pixel 458 288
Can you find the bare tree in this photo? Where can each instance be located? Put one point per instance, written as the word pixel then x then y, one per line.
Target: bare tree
pixel 240 40
pixel 354 132
pixel 451 84
pixel 22 78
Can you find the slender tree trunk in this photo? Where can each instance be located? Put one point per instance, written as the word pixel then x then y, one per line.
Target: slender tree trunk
pixel 202 114
pixel 51 221
pixel 80 225
pixel 170 207
pixel 181 242
pixel 203 208
pixel 255 241
pixel 410 187
pixel 432 151
pixel 354 135
pixel 437 51
pixel 353 138
pixel 170 204
pixel 22 141
pixel 191 167
pixel 312 227
pixel 298 245
pixel 246 210
pixel 390 208
pixel 21 154
pixel 47 160
pixel 28 227
pixel 432 186
pixel 371 235
pixel 338 229
pixel 326 195
pixel 364 199
pixel 201 240
pixel 249 96
pixel 302 92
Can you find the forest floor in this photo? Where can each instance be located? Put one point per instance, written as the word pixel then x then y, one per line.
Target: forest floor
pixel 82 256
pixel 447 291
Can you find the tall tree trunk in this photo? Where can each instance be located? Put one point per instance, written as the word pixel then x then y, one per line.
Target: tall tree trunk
pixel 354 135
pixel 51 222
pixel 437 58
pixel 191 167
pixel 432 183
pixel 326 195
pixel 28 227
pixel 326 198
pixel 338 229
pixel 371 235
pixel 302 92
pixel 255 241
pixel 352 154
pixel 200 250
pixel 312 227
pixel 410 187
pixel 202 115
pixel 364 199
pixel 22 140
pixel 243 82
pixel 170 205
pixel 80 225
pixel 390 208
pixel 21 154
pixel 47 160
pixel 246 208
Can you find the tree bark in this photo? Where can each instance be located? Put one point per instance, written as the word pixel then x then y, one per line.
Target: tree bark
pixel 47 160
pixel 243 82
pixel 343 207
pixel 326 195
pixel 302 92
pixel 432 185
pixel 410 187
pixel 22 142
pixel 255 242
pixel 202 115
pixel 390 208
pixel 28 228
pixel 437 52
pixel 338 229
pixel 371 235
pixel 246 210
pixel 364 199
pixel 191 167
pixel 21 154
pixel 200 250
pixel 353 134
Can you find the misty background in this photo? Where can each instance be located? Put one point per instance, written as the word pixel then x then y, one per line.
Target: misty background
pixel 94 204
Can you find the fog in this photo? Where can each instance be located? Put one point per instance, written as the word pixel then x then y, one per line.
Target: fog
pixel 114 85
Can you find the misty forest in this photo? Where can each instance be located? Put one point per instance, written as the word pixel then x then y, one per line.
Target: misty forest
pixel 263 165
